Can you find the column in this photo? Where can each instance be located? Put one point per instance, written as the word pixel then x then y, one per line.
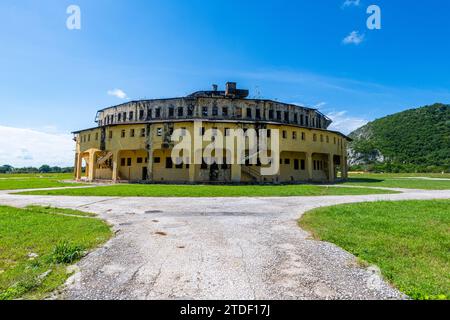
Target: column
pixel 92 165
pixel 236 172
pixel 309 166
pixel 78 167
pixel 115 167
pixel 331 173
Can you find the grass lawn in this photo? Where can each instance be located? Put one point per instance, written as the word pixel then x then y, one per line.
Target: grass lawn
pixel 135 190
pixel 38 243
pixel 408 240
pixel 400 181
pixel 33 181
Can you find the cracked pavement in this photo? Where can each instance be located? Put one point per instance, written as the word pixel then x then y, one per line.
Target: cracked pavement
pixel 217 248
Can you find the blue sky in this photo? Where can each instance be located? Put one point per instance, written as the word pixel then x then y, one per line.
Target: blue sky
pixel 53 80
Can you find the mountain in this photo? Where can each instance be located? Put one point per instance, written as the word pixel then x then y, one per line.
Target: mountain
pixel 416 140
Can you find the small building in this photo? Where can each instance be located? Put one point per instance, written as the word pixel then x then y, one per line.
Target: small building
pixel 132 142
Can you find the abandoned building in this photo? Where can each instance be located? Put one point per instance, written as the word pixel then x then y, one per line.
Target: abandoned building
pixel 132 141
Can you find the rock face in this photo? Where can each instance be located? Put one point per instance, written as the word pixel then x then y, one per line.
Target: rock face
pixel 413 140
pixel 362 150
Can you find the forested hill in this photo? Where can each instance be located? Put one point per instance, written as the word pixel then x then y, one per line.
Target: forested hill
pixel 413 140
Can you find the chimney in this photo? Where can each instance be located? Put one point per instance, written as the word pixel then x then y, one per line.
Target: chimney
pixel 230 88
pixel 214 87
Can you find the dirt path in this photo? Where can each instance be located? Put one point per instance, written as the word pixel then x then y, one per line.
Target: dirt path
pixel 217 248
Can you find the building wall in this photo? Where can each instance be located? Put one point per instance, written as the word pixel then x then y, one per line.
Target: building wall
pixel 143 143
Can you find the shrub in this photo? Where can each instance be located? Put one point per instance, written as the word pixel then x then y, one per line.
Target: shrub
pixel 66 253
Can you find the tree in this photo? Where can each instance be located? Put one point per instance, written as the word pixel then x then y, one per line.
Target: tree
pixel 45 169
pixel 6 169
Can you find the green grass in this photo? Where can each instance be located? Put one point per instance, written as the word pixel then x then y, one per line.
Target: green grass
pixel 400 181
pixel 33 181
pixel 408 240
pixel 56 236
pixel 136 190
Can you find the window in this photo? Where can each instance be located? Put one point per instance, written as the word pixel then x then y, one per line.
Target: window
pixel 146 160
pixel 205 111
pixel 286 116
pixel 132 133
pixel 190 111
pixel 215 111
pixel 307 121
pixel 279 115
pixel 294 135
pixel 159 132
pixel 143 132
pixel 303 136
pixel 119 117
pixel 122 134
pixel 96 136
pixel 169 163
pixel 158 113
pixel 129 162
pixel 287 161
pixel 302 164
pixel 334 140
pixel 270 114
pixel 157 160
pixel 321 138
pixel 171 112
pixel 89 137
pixel 314 137
pixel 124 116
pixel 204 165
pixel 110 134
pixel 284 134
pixel 238 112
pixel 225 111
pixel 295 118
pixel 180 111
pixel 141 114
pixel 249 113
pixel 122 162
pixel 258 113
pixel 131 115
pixel 179 164
pixel 139 160
pixel 302 120
pixel 296 164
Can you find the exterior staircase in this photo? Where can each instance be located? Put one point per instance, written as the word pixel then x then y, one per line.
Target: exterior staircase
pixel 101 160
pixel 253 171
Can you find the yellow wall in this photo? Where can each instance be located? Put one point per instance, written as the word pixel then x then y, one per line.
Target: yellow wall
pixel 126 147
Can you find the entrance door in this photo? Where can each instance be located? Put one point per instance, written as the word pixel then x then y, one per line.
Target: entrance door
pixel 214 172
pixel 144 173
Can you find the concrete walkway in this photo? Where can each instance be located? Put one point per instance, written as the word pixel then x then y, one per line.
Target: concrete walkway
pixel 217 248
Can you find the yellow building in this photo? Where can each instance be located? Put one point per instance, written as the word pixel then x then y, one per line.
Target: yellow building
pixel 133 141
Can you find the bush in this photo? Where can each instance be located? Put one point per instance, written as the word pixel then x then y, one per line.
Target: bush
pixel 66 253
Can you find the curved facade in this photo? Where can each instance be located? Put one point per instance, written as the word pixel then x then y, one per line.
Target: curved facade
pixel 132 141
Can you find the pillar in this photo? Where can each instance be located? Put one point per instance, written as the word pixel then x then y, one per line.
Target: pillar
pixel 236 172
pixel 309 166
pixel 78 167
pixel 92 166
pixel 331 172
pixel 115 166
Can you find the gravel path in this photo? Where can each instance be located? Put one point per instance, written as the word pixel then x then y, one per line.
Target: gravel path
pixel 217 248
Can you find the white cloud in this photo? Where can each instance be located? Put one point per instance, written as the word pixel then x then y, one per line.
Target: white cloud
pixel 353 38
pixel 345 123
pixel 349 3
pixel 117 93
pixel 27 147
